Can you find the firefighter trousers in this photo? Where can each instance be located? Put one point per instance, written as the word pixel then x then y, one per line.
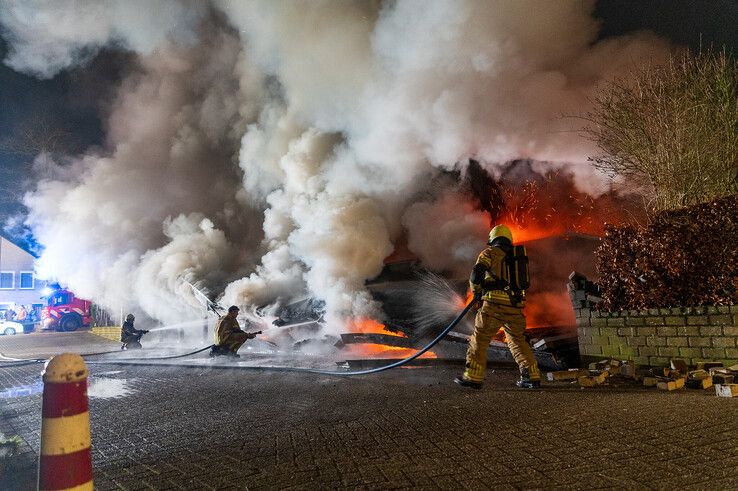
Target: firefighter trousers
pixel 489 319
pixel 233 341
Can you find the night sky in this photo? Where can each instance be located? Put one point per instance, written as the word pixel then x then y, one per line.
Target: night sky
pixel 72 103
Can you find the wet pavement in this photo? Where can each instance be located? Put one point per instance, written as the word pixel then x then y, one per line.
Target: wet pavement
pixel 44 344
pixel 168 427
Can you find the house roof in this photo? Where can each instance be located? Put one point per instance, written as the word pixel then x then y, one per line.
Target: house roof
pixel 19 246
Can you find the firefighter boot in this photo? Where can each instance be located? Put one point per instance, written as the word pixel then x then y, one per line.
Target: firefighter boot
pixel 467 383
pixel 526 382
pixel 216 350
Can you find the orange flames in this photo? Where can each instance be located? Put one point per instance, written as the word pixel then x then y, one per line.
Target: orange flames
pixel 364 325
pixel 371 350
pixel 523 234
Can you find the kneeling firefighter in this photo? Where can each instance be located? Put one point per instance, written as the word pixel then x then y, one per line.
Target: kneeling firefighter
pixel 228 335
pixel 129 335
pixel 500 277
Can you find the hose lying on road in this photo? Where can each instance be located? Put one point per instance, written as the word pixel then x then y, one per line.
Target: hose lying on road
pixel 6 361
pixel 169 357
pixel 446 330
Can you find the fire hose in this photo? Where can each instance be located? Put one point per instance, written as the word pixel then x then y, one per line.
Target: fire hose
pixel 398 363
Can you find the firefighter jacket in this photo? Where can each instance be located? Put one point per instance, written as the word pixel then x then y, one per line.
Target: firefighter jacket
pixel 128 332
pixel 490 276
pixel 224 328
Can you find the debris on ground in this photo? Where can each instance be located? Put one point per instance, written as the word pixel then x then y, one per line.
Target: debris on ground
pixel 571 374
pixel 596 374
pixel 699 379
pixel 674 377
pixel 726 390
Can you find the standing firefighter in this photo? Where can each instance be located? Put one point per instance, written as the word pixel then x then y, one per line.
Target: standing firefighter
pixel 500 276
pixel 228 335
pixel 129 335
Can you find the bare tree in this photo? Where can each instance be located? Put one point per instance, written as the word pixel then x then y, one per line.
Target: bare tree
pixel 671 129
pixel 37 134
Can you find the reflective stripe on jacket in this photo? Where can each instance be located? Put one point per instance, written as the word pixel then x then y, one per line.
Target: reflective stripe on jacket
pixel 493 260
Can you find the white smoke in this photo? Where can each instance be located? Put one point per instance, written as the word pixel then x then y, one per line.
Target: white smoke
pixel 46 37
pixel 163 203
pixel 343 112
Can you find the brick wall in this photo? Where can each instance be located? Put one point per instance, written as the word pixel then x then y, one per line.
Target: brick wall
pixel 653 337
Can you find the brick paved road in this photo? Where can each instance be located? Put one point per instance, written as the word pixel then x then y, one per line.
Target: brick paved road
pixel 409 428
pixel 46 344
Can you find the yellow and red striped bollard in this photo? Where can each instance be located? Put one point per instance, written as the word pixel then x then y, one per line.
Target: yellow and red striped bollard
pixel 66 458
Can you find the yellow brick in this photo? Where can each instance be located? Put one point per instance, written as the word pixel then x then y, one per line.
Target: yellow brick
pixel 591 380
pixel 700 383
pixel 650 381
pixel 671 384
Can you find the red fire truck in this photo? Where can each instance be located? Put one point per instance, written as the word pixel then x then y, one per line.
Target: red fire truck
pixel 65 312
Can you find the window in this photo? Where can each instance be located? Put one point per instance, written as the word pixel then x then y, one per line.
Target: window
pixel 7 280
pixel 27 280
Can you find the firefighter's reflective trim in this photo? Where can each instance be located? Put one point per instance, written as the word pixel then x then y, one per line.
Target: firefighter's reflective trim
pixel 65 461
pixel 500 297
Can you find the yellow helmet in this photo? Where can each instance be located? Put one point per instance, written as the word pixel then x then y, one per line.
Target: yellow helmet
pixel 500 231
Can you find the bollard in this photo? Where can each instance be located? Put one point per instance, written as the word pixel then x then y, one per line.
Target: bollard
pixel 66 459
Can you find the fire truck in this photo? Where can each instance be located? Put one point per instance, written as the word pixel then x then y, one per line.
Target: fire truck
pixel 65 312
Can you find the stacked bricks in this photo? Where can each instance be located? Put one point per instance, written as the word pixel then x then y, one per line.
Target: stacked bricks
pixel 653 337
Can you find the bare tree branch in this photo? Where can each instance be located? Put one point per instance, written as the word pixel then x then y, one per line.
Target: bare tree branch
pixel 671 129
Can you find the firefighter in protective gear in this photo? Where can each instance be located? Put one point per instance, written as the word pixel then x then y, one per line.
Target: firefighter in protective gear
pixel 228 335
pixel 129 335
pixel 501 308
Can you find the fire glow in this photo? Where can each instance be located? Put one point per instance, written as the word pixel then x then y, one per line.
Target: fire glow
pixel 371 350
pixel 538 309
pixel 365 325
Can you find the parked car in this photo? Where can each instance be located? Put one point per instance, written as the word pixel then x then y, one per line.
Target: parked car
pixel 9 328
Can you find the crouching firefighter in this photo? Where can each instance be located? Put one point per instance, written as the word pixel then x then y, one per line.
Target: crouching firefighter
pixel 228 335
pixel 129 335
pixel 500 277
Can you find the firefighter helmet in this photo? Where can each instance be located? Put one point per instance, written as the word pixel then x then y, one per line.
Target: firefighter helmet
pixel 130 318
pixel 500 231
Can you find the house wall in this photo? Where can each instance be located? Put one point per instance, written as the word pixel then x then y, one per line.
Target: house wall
pixel 14 259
